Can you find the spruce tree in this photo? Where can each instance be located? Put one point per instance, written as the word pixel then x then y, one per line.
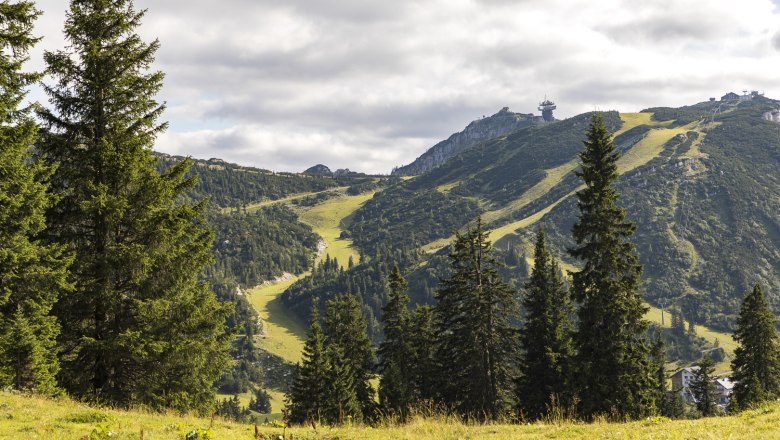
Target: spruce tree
pixel 32 273
pixel 658 359
pixel 423 369
pixel 395 353
pixel 260 402
pixel 346 329
pixel 309 397
pixel 476 343
pixel 343 405
pixel 614 373
pixel 756 364
pixel 669 403
pixel 703 389
pixel 545 363
pixel 139 326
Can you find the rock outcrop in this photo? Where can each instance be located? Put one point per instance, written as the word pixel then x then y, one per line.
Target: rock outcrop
pixel 478 131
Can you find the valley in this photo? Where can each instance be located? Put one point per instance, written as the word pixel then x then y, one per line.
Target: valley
pixel 653 147
pixel 284 333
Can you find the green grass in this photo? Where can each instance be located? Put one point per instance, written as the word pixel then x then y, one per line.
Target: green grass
pixel 42 418
pixel 329 218
pixel 447 187
pixel 724 339
pixel 284 333
pixel 552 177
pixel 23 417
pixel 650 147
pixel 264 203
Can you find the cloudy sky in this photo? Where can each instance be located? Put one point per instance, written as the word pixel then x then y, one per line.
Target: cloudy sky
pixel 367 85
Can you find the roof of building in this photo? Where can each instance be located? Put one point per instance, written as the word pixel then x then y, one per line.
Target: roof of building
pixel 692 369
pixel 726 383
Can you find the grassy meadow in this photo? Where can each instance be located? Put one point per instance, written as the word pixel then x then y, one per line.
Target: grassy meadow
pixel 26 417
pixel 328 219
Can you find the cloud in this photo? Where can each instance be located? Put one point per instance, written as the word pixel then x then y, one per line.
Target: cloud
pixel 290 150
pixel 366 84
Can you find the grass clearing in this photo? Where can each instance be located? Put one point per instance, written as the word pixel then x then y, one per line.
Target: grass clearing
pixel 724 339
pixel 329 218
pixel 43 418
pixel 497 234
pixel 284 333
pixel 552 177
pixel 632 120
pixel 650 147
pixel 447 187
pixel 253 207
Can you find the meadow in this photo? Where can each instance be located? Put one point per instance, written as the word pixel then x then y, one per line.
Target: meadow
pixel 30 417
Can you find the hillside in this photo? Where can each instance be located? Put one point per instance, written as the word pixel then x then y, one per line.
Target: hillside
pixel 695 185
pixel 701 186
pixel 42 418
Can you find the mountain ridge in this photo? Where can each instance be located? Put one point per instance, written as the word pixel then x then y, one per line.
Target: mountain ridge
pixel 479 130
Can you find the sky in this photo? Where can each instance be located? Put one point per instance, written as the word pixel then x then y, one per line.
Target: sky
pixel 369 85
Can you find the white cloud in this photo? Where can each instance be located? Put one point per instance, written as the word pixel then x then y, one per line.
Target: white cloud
pixel 371 84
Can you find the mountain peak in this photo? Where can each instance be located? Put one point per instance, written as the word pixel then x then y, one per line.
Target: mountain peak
pixel 480 130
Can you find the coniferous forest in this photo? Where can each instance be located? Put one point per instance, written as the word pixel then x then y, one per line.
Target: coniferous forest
pixel 123 271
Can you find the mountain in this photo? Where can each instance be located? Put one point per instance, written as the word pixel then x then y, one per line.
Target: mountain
pixel 318 170
pixel 700 182
pixel 477 131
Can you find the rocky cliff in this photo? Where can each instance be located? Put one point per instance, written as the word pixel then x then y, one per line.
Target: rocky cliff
pixel 501 123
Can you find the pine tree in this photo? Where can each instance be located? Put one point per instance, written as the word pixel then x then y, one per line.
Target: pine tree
pixel 615 374
pixel 476 343
pixel 756 364
pixel 139 327
pixel 309 397
pixel 703 389
pixel 545 363
pixel 32 273
pixel 395 353
pixel 346 329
